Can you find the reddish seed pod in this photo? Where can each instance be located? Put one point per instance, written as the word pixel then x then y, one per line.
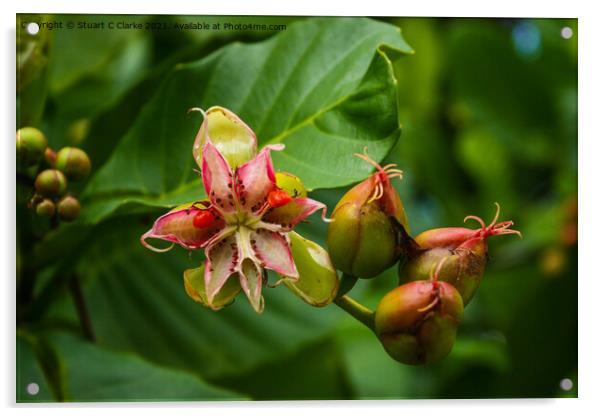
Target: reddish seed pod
pixel 417 322
pixel 51 182
pixel 278 198
pixel 73 162
pixel 464 249
pixel 68 208
pixel 203 219
pixel 45 208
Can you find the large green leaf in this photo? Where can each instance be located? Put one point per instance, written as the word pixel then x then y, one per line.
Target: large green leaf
pixel 325 88
pixel 92 373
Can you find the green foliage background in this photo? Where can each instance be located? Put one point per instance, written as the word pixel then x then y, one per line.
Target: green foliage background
pixel 488 109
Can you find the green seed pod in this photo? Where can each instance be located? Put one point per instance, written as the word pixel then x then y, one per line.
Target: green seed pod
pixel 318 282
pixel 73 162
pixel 194 284
pixel 369 226
pixel 291 184
pixel 417 322
pixel 45 208
pixel 232 137
pixel 51 182
pixel 68 208
pixel 31 144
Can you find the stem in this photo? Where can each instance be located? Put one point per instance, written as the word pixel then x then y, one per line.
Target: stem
pixel 346 284
pixel 357 310
pixel 82 310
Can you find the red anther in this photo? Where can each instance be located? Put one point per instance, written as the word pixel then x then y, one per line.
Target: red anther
pixel 203 219
pixel 278 198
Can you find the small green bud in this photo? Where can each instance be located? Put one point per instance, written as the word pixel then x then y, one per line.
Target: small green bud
pixel 51 182
pixel 73 162
pixel 194 284
pixel 68 208
pixel 417 322
pixel 31 144
pixel 45 208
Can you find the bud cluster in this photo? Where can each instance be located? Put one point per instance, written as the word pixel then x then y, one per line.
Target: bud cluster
pixel 52 171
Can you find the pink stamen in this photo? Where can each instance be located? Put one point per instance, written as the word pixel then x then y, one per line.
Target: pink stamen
pixel 494 228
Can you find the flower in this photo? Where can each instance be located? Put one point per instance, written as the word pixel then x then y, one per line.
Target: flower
pixel 243 226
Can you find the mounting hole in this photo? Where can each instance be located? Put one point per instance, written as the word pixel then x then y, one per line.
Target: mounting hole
pixel 566 384
pixel 566 32
pixel 32 28
pixel 33 389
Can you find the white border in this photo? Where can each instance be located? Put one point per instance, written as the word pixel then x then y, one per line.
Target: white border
pixel 590 204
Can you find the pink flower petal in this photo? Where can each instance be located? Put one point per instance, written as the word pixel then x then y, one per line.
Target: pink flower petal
pixel 294 212
pixel 274 252
pixel 251 280
pixel 217 178
pixel 177 227
pixel 255 179
pixel 222 261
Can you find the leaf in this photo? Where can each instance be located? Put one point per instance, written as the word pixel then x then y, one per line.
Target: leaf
pixel 137 303
pixel 315 372
pixel 325 88
pixel 96 374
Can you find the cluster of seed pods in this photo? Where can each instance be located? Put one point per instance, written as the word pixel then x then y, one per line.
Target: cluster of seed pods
pixel 53 171
pixel 440 270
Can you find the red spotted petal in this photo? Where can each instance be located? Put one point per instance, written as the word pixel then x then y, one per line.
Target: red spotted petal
pixel 255 179
pixel 177 227
pixel 222 261
pixel 274 252
pixel 217 178
pixel 294 212
pixel 251 280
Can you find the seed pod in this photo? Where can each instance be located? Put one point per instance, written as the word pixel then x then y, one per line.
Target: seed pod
pixel 194 284
pixel 417 322
pixel 51 182
pixel 291 184
pixel 73 162
pixel 45 208
pixel 31 144
pixel 318 281
pixel 369 225
pixel 232 137
pixel 68 208
pixel 465 250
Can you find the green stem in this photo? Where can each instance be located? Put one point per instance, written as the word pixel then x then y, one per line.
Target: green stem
pixel 346 284
pixel 357 310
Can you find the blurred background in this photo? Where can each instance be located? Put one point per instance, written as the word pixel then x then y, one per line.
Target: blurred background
pixel 489 114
